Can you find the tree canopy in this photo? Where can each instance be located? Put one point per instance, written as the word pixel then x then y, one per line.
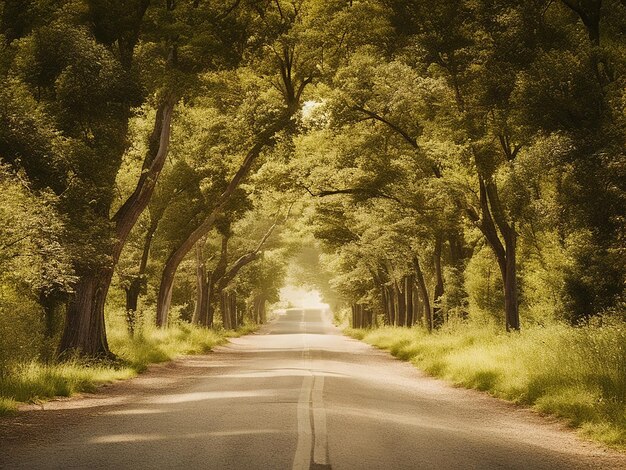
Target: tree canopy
pixel 416 162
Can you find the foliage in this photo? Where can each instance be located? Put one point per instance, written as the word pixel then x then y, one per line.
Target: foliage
pixel 26 380
pixel 574 373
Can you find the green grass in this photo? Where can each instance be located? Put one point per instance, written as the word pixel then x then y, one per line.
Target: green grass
pixel 578 374
pixel 35 382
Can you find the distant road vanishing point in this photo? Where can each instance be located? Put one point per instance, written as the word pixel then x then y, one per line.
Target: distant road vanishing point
pixel 298 395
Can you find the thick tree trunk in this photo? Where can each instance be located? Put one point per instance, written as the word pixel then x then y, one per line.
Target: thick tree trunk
pixel 85 332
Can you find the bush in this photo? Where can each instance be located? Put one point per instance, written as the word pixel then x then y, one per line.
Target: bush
pixel 21 329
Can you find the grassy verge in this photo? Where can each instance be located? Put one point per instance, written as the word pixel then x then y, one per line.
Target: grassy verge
pixel 578 374
pixel 34 382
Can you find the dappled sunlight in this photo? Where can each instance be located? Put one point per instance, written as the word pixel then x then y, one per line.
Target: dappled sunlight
pixel 69 404
pixel 302 372
pixel 136 411
pixel 130 438
pixel 218 395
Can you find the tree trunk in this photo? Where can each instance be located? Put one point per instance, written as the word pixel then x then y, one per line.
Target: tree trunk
pixel 400 298
pixel 132 300
pixel 234 323
pixel 421 283
pixel 224 305
pixel 85 332
pixel 201 281
pixel 417 314
pixel 438 319
pixel 506 255
pixel 391 305
pixel 510 283
pixel 408 291
pixel 385 305
pixel 263 310
pixel 258 307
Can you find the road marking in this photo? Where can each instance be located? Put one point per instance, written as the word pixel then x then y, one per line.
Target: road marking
pixel 312 436
pixel 302 459
pixel 320 450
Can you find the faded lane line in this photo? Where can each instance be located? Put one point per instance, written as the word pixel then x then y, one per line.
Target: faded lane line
pixel 302 459
pixel 320 450
pixel 311 435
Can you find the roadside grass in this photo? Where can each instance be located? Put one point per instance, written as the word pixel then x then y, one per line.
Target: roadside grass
pixel 578 374
pixel 35 382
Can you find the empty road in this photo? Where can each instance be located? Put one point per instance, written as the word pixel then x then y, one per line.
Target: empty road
pixel 298 395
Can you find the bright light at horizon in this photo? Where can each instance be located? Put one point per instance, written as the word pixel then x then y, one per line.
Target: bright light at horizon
pixel 302 298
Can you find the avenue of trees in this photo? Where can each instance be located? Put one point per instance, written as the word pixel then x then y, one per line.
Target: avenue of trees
pixel 417 162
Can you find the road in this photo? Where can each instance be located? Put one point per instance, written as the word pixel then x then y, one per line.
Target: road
pixel 298 395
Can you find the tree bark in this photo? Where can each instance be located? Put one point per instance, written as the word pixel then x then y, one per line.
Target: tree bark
pixel 511 306
pixel 438 319
pixel 202 286
pixel 263 310
pixel 400 298
pixel 224 305
pixel 417 315
pixel 84 333
pixel 507 260
pixel 421 283
pixel 391 305
pixel 233 310
pixel 408 291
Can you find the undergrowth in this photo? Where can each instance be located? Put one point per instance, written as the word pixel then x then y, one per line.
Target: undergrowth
pixel 35 381
pixel 578 374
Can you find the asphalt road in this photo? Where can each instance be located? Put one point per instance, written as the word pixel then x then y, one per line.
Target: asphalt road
pixel 298 395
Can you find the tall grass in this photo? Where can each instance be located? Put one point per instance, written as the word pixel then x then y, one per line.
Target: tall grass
pixel 578 374
pixel 34 381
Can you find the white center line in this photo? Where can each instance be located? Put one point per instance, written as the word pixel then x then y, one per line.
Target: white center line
pixel 311 435
pixel 320 451
pixel 302 459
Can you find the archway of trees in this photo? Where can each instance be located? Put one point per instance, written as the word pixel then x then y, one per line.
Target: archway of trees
pixel 417 162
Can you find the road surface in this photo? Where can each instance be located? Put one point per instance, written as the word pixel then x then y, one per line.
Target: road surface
pixel 298 395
